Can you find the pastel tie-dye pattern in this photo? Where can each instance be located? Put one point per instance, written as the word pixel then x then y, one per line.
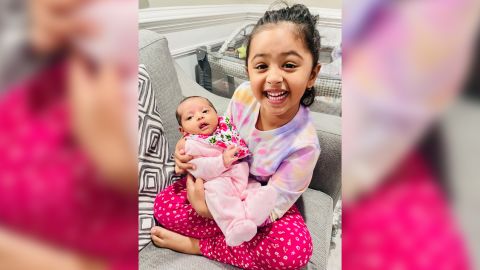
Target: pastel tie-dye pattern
pixel 285 156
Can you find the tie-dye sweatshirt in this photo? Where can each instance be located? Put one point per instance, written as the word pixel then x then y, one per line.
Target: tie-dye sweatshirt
pixel 284 157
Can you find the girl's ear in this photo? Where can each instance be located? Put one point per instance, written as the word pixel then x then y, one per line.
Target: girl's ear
pixel 181 130
pixel 313 75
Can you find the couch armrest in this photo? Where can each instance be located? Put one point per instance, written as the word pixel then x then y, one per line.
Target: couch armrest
pixel 327 173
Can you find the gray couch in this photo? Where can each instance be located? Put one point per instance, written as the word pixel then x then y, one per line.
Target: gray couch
pixel 170 84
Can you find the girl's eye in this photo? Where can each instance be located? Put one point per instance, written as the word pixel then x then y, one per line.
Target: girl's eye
pixel 261 66
pixel 189 118
pixel 205 111
pixel 290 66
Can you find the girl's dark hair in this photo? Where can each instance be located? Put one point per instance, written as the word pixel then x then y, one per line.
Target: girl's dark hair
pixel 305 24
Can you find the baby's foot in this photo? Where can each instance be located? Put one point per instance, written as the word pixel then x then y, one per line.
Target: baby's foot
pixel 239 232
pixel 167 239
pixel 259 203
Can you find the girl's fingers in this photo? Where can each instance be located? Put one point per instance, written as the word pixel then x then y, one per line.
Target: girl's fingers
pixel 190 187
pixel 178 170
pixel 190 181
pixel 186 166
pixel 182 162
pixel 199 184
pixel 183 158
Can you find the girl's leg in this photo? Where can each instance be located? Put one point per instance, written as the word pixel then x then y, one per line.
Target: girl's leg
pixel 173 211
pixel 284 244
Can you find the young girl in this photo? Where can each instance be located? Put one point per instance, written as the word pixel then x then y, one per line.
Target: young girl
pixel 271 115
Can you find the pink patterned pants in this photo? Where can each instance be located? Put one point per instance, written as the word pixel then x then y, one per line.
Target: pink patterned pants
pixel 284 244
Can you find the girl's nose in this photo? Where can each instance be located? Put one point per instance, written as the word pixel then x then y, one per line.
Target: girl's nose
pixel 274 76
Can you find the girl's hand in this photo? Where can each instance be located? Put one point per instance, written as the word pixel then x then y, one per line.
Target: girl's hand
pixel 181 159
pixel 230 155
pixel 196 196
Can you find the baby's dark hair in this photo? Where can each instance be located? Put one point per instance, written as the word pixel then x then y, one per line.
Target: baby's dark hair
pixel 305 24
pixel 179 117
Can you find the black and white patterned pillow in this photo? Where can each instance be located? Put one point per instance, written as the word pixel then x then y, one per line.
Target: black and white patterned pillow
pixel 156 166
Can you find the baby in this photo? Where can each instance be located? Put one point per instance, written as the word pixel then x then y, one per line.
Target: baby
pixel 217 151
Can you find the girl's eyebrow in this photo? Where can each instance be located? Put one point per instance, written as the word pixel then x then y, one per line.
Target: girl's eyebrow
pixel 292 52
pixel 260 55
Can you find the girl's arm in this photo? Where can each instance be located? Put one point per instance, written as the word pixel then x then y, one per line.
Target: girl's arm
pixel 292 178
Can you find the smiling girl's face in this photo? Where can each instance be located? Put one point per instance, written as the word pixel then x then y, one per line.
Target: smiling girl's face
pixel 280 70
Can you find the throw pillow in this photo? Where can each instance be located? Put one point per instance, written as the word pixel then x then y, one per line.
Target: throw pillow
pixel 156 166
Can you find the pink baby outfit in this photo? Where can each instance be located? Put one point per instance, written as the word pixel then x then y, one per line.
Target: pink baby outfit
pixel 236 210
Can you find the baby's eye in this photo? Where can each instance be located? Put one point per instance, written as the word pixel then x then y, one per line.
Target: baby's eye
pixel 261 66
pixel 289 66
pixel 189 118
pixel 205 111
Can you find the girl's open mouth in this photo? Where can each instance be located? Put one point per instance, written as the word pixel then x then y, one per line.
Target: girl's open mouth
pixel 203 126
pixel 276 97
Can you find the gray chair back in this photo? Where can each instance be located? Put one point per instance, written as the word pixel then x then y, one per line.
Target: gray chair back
pixel 155 55
pixel 327 176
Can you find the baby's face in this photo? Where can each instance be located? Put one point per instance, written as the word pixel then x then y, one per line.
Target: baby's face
pixel 197 117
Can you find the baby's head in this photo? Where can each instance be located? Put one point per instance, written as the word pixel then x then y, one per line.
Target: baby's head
pixel 196 115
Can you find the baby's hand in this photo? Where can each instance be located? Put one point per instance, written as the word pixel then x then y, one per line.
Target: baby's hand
pixel 230 155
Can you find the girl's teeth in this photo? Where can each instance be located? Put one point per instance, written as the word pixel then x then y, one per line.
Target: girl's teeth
pixel 276 96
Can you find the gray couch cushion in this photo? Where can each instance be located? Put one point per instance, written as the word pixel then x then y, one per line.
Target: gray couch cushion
pixel 154 54
pixel 316 208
